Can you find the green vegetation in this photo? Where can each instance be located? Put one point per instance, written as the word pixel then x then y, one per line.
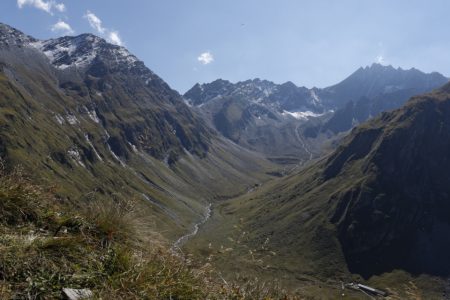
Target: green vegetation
pixel 77 156
pixel 47 244
pixel 360 210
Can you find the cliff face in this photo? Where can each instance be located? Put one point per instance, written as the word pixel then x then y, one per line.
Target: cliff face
pixel 399 216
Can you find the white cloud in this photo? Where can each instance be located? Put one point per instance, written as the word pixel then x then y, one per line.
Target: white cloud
pixel 381 60
pixel 62 27
pixel 206 58
pixel 47 6
pixel 111 35
pixel 95 22
pixel 114 38
pixel 60 7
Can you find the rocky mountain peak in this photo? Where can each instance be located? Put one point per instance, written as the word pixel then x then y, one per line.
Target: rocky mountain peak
pixel 286 96
pixel 10 36
pixel 80 51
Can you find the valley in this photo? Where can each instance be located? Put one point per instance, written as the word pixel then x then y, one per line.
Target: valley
pixel 306 189
pixel 300 224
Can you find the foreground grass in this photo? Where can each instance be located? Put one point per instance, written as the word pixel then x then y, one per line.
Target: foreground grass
pixel 47 244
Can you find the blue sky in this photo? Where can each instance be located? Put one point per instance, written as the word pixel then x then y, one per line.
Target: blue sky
pixel 311 43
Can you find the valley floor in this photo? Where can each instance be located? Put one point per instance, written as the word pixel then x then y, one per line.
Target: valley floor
pixel 224 242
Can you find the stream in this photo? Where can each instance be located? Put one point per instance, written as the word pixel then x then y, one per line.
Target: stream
pixel 178 243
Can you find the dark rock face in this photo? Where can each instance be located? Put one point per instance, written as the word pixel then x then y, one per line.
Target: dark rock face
pixel 399 217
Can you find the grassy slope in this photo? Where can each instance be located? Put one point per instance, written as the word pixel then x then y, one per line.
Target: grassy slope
pixel 245 238
pixel 283 230
pixel 108 247
pixel 31 135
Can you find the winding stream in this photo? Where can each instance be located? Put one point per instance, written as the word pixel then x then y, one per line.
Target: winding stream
pixel 178 243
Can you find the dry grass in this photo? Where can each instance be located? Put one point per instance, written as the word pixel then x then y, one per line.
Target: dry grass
pixel 108 247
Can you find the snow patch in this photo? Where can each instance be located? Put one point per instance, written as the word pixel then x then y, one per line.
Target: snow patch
pixel 63 53
pixel 188 102
pixel 115 156
pixel 93 115
pixel 72 119
pixel 301 115
pixel 75 155
pixel 86 136
pixel 112 152
pixel 166 160
pixel 315 98
pixel 59 119
pixel 80 51
pixel 135 150
pixel 107 134
pixel 125 56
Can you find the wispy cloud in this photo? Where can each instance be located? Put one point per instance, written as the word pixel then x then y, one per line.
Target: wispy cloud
pixel 380 59
pixel 47 6
pixel 114 37
pixel 60 7
pixel 62 27
pixel 96 23
pixel 206 58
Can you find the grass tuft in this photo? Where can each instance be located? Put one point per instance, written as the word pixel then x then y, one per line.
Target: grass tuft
pixel 106 246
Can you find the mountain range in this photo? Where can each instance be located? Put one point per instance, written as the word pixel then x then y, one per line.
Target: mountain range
pixel 315 187
pixel 288 124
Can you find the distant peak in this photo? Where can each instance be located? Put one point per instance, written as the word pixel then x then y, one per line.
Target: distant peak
pixel 81 50
pixel 217 82
pixel 89 37
pixel 10 36
pixel 4 26
pixel 380 66
pixel 289 84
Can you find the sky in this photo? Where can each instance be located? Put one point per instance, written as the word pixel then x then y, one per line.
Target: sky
pixel 311 43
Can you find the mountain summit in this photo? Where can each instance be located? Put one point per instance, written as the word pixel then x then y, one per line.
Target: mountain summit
pixel 373 81
pixel 90 117
pixel 290 124
pixel 286 96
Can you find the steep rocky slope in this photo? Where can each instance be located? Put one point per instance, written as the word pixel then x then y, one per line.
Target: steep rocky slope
pixel 380 202
pixel 90 118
